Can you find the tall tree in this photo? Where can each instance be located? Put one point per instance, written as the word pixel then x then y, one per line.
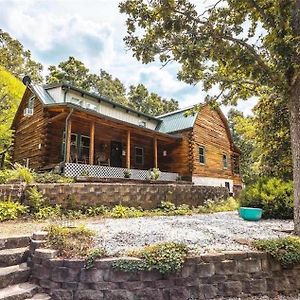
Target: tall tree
pixel 150 103
pixel 11 91
pixel 105 85
pixel 273 137
pixel 243 133
pixel 246 47
pixel 15 59
pixel 71 71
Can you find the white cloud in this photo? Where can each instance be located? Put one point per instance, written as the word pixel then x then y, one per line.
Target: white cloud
pixel 92 31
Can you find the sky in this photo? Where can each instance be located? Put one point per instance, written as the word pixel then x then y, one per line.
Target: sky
pixel 93 32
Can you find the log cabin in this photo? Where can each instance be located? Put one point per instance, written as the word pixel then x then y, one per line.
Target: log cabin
pixel 87 134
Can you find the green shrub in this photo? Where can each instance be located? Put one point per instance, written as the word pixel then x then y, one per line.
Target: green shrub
pixel 273 195
pixel 48 212
pixel 18 173
pixel 153 174
pixel 70 242
pixel 285 250
pixel 120 211
pixel 165 257
pixel 11 210
pixel 92 255
pixel 211 206
pixel 94 211
pixel 36 200
pixel 51 177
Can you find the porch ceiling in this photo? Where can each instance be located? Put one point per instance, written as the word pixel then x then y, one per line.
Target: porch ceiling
pixel 63 109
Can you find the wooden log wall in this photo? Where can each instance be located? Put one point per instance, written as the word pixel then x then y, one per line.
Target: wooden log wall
pixel 211 132
pixel 179 156
pixel 30 134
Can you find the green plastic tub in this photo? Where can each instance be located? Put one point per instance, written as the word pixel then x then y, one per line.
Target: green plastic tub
pixel 250 213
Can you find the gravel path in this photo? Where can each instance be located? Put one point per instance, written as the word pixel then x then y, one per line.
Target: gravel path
pixel 206 232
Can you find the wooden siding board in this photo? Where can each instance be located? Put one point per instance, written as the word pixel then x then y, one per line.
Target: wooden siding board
pixel 29 135
pixel 211 132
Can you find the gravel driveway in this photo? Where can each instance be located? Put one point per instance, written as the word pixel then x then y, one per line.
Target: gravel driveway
pixel 205 232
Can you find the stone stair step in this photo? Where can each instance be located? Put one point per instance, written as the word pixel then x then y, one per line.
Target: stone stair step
pixel 40 297
pixel 14 275
pixel 14 242
pixel 9 257
pixel 19 291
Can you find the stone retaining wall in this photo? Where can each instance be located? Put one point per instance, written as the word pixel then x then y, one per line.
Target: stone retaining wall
pixel 232 274
pixel 147 196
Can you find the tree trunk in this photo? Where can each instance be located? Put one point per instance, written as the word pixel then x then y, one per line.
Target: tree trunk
pixel 294 107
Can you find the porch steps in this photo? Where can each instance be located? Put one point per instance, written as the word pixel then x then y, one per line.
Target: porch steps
pixel 19 291
pixel 14 274
pixel 10 257
pixel 14 271
pixel 14 242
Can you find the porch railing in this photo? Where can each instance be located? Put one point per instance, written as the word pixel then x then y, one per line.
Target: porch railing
pixel 74 170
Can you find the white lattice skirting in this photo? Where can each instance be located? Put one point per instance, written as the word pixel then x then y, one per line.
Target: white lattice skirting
pixel 74 170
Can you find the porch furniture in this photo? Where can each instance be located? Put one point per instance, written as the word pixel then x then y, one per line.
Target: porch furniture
pixel 102 159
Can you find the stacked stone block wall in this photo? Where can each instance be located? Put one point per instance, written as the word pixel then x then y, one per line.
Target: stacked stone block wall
pixel 231 274
pixel 147 196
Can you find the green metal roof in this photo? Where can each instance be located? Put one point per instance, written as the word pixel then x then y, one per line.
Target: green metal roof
pixel 42 94
pixel 176 121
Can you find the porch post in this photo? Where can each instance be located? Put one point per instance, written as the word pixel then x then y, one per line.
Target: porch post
pixel 68 140
pixel 128 150
pixel 155 153
pixel 92 143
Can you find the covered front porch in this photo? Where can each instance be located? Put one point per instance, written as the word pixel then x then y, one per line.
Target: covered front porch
pixel 102 147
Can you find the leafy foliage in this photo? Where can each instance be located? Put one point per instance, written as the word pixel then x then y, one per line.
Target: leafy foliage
pixel 51 177
pixel 150 103
pixel 244 135
pixel 70 242
pixel 153 174
pixel 35 198
pixel 92 255
pixel 18 173
pixel 165 257
pixel 273 195
pixel 11 210
pixel 15 59
pixel 285 250
pixel 11 91
pixel 120 211
pixel 210 206
pixel 49 212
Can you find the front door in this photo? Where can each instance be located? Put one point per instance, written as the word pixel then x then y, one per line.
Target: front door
pixel 115 154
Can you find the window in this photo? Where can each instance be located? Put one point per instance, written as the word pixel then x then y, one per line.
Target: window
pixel 28 111
pixel 31 103
pixel 227 185
pixel 84 148
pixel 139 155
pixel 74 138
pixel 225 161
pixel 201 155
